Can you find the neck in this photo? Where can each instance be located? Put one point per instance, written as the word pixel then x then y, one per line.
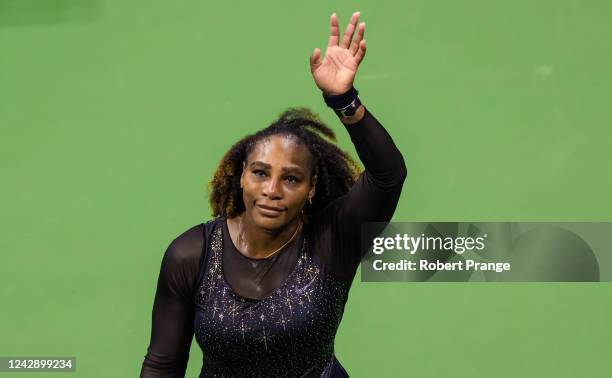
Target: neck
pixel 257 242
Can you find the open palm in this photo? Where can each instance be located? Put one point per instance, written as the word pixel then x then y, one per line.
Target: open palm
pixel 336 72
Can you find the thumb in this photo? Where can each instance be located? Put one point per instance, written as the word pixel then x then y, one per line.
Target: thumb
pixel 315 59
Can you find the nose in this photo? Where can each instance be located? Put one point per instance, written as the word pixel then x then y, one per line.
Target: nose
pixel 272 189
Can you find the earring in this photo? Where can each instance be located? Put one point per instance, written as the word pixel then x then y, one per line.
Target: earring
pixel 310 200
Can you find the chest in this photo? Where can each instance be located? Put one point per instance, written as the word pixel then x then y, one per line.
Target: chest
pixel 296 322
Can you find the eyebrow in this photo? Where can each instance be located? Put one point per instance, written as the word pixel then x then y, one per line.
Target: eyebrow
pixel 284 169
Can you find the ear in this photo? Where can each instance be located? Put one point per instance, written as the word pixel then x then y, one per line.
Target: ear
pixel 313 187
pixel 242 174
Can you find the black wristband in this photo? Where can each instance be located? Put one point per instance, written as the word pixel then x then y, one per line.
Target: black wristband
pixel 342 100
pixel 345 104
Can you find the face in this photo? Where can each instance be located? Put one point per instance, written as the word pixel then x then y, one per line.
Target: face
pixel 276 182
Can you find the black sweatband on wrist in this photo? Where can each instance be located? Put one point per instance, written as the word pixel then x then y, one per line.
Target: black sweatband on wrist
pixel 342 100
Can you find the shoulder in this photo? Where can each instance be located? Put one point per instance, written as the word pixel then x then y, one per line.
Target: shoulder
pixel 187 247
pixel 180 264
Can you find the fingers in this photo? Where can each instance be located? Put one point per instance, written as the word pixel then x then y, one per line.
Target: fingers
pixel 334 31
pixel 355 45
pixel 315 59
pixel 350 29
pixel 361 52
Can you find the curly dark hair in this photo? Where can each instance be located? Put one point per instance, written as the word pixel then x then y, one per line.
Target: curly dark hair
pixel 335 169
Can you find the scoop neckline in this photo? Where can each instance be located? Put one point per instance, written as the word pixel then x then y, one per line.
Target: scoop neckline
pixel 280 288
pixel 269 258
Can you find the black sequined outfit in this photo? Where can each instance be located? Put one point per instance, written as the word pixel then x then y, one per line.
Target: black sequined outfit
pixel 277 316
pixel 289 332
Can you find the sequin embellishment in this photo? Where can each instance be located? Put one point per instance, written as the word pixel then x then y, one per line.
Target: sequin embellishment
pixel 288 333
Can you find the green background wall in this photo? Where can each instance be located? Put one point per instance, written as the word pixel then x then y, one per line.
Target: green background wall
pixel 114 114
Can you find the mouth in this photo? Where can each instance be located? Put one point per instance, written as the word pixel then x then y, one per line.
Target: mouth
pixel 269 210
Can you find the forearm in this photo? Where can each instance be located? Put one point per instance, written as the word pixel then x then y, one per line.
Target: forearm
pixel 375 147
pixel 374 195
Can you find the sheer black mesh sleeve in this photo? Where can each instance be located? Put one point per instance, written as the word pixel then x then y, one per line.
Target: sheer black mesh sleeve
pixel 173 308
pixel 373 197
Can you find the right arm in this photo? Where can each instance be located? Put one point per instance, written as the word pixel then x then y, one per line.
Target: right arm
pixel 173 309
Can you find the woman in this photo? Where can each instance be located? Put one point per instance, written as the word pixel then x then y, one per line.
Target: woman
pixel 263 285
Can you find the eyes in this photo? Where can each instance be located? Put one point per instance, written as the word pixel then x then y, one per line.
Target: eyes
pixel 289 178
